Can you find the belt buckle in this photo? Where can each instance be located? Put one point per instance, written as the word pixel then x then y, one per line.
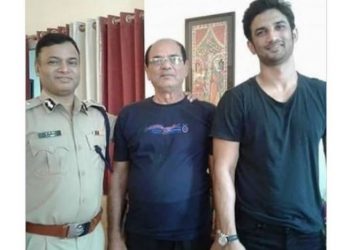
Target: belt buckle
pixel 77 230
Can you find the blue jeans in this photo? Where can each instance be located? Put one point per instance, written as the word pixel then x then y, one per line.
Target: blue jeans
pixel 140 242
pixel 256 235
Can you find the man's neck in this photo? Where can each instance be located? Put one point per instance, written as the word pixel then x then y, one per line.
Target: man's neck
pixel 279 82
pixel 168 97
pixel 279 77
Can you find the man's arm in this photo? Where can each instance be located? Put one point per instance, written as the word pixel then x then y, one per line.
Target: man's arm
pixel 324 140
pixel 112 120
pixel 225 161
pixel 116 203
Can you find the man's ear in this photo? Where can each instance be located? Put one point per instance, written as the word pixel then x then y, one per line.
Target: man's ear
pixel 187 67
pixel 295 34
pixel 251 47
pixel 37 67
pixel 146 71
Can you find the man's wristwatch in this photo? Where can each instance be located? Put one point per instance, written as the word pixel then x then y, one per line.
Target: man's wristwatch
pixel 224 239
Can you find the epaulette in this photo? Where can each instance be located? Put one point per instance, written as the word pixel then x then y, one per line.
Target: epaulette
pixel 89 103
pixel 32 103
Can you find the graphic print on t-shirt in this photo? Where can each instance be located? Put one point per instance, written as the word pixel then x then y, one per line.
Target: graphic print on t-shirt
pixel 158 129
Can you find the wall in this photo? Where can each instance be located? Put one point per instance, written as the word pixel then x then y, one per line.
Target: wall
pixel 167 19
pixel 41 14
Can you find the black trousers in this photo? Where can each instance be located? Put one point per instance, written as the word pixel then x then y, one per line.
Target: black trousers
pixel 256 235
pixel 140 242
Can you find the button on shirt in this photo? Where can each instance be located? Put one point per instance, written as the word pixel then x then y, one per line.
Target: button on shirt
pixel 64 174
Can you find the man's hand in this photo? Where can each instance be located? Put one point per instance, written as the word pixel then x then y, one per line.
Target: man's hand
pixel 190 96
pixel 117 244
pixel 215 246
pixel 236 245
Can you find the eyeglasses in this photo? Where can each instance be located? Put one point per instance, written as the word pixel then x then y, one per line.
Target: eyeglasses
pixel 158 61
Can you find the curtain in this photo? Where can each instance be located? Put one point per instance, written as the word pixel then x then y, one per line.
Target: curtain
pixel 124 41
pixel 77 32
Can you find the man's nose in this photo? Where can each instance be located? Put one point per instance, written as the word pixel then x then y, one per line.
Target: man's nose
pixel 166 63
pixel 273 35
pixel 64 67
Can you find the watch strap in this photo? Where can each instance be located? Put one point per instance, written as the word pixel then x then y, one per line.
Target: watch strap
pixel 231 237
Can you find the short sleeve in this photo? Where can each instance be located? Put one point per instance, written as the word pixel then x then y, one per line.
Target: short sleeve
pixel 228 118
pixel 120 144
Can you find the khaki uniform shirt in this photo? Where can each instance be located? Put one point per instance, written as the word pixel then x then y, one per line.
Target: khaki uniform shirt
pixel 64 174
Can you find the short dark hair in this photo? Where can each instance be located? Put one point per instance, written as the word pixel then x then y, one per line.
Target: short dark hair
pixel 258 6
pixel 54 38
pixel 182 48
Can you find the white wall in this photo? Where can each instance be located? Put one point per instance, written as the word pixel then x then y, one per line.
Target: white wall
pixel 167 19
pixel 41 14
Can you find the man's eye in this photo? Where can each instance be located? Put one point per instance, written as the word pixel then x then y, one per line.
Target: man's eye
pixel 280 27
pixel 259 33
pixel 175 59
pixel 73 63
pixel 156 60
pixel 53 62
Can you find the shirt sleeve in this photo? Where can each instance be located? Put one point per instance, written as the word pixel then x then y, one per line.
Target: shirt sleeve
pixel 120 142
pixel 228 120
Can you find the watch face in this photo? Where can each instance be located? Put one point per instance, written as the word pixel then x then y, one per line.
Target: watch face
pixel 222 240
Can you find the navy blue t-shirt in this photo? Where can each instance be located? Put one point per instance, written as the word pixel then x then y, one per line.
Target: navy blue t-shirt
pixel 277 175
pixel 168 185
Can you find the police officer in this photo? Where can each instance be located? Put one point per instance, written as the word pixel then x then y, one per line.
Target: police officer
pixel 64 173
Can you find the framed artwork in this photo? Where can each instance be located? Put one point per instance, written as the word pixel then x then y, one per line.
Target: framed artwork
pixel 209 42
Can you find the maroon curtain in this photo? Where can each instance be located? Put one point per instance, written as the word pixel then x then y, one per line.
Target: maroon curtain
pixel 103 51
pixel 114 77
pixel 128 55
pixel 124 60
pixel 139 51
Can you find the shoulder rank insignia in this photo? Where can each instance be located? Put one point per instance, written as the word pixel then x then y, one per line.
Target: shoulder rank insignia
pixel 84 107
pixel 50 104
pixel 32 103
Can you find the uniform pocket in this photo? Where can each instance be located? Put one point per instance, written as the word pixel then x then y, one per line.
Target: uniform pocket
pixel 48 155
pixel 99 141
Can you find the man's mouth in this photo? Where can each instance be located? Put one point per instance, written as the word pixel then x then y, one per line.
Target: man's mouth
pixel 64 79
pixel 167 75
pixel 275 46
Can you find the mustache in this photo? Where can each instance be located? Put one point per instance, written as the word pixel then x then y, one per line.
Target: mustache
pixel 274 43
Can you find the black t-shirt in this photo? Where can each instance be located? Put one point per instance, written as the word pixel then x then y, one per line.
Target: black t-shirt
pixel 277 176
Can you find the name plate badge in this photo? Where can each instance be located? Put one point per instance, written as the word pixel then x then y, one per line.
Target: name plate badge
pixel 49 134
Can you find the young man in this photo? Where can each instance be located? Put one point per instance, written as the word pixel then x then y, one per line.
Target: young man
pixel 161 161
pixel 266 134
pixel 64 173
